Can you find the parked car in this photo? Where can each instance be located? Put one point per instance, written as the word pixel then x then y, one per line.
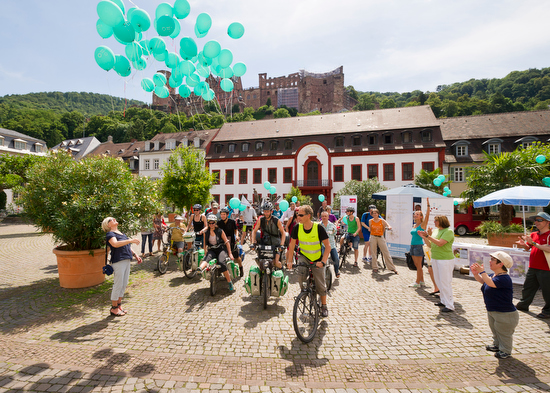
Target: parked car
pixel 467 219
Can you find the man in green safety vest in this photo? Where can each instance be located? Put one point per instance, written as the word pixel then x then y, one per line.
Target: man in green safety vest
pixel 311 237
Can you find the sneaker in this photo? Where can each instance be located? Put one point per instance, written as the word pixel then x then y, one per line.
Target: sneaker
pixel 440 304
pixel 365 259
pixel 324 311
pixel 414 285
pixel 520 308
pixel 502 355
pixel 445 309
pixel 492 348
pixel 423 284
pixel 369 259
pixel 231 287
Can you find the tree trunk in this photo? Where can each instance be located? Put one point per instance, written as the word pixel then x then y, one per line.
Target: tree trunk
pixel 506 215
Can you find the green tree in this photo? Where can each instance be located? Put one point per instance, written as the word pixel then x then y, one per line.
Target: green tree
pixel 364 190
pixel 280 113
pixel 366 102
pixel 295 192
pixel 510 169
pixel 387 103
pixel 186 179
pixel 13 169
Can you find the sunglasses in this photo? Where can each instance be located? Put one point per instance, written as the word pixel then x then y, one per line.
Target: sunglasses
pixel 301 215
pixel 211 223
pixel 494 259
pixel 539 220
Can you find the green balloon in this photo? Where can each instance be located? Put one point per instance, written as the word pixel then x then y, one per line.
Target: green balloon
pixel 159 79
pixel 204 22
pixel 120 4
pixel 110 13
pixel 174 81
pixel 125 32
pixel 140 64
pixel 209 95
pixel 186 67
pixel 235 30
pixel 160 56
pixel 203 71
pixel 177 29
pixel 162 91
pixel 192 80
pixel 225 58
pixel 203 60
pixel 147 84
pixel 211 49
pixel 133 51
pixel 104 57
pixel 164 9
pixel 199 34
pixel 122 66
pixel 201 88
pixel 226 85
pixel 140 20
pixel 185 91
pixel 226 72
pixel 156 45
pixel 145 47
pixel 165 25
pixel 103 29
pixel 239 69
pixel 171 60
pixel 188 48
pixel 181 9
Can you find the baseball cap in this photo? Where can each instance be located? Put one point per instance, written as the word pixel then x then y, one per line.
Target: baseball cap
pixel 215 205
pixel 543 215
pixel 504 258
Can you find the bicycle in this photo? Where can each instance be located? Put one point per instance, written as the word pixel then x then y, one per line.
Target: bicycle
pixel 307 308
pixel 345 250
pixel 264 260
pixel 191 257
pixel 167 249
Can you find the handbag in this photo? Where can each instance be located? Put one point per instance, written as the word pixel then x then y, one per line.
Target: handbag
pixel 108 268
pixel 410 262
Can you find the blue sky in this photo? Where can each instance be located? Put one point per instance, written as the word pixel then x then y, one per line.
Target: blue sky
pixel 383 45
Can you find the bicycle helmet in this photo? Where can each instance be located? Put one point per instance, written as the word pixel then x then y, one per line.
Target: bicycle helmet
pixel 372 207
pixel 224 210
pixel 350 209
pixel 212 217
pixel 198 206
pixel 267 206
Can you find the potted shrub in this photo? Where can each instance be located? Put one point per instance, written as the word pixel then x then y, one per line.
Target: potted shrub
pixel 70 199
pixel 501 236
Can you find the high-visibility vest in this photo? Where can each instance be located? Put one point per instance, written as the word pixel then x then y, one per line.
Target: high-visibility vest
pixel 310 246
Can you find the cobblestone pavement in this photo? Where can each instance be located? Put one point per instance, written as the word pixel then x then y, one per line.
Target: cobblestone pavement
pixel 380 336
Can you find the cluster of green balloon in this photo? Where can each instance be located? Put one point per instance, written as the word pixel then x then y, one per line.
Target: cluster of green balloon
pixel 321 197
pixel 284 205
pixel 189 69
pixel 446 191
pixel 439 180
pixel 546 181
pixel 540 159
pixel 271 189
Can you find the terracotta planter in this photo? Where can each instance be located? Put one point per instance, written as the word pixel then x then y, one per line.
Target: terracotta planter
pixel 79 269
pixel 504 240
pixel 171 217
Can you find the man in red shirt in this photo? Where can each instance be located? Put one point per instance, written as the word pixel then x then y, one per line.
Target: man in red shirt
pixel 538 275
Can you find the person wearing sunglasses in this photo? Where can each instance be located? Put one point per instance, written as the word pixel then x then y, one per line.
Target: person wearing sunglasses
pixel 498 294
pixel 538 274
pixel 311 236
pixel 215 240
pixel 197 220
pixel 352 235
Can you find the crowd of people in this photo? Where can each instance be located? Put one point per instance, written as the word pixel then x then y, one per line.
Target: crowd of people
pixel 314 235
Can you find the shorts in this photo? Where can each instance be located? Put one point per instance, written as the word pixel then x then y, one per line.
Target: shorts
pixel 220 256
pixel 366 235
pixel 417 250
pixel 178 245
pixel 354 240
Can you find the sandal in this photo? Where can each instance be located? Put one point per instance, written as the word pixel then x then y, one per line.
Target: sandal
pixel 434 293
pixel 118 313
pixel 121 309
pixel 355 264
pixel 395 271
pixel 375 270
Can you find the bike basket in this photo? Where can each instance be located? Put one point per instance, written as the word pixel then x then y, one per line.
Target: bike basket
pixel 233 269
pixel 189 237
pixel 247 285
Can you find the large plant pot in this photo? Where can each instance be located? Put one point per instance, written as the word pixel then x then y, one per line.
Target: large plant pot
pixel 171 217
pixel 504 239
pixel 80 269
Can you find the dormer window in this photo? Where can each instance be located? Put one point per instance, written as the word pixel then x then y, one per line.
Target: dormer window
pixel 197 142
pixel 356 140
pixel 406 137
pixel 120 151
pixel 245 146
pixel 147 146
pixel 288 144
pixel 157 145
pixel 388 139
pixel 38 147
pixel 1 140
pixel 136 150
pixel 259 146
pixel 170 144
pixel 79 142
pixel 219 148
pixel 185 142
pixel 339 141
pixel 527 141
pixel 71 143
pixel 426 135
pixel 64 143
pixel 231 148
pixel 373 139
pixel 461 148
pixel 273 145
pixel 493 145
pixel 19 144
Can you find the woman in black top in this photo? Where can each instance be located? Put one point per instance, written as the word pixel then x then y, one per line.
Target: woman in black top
pixel 121 256
pixel 215 241
pixel 198 221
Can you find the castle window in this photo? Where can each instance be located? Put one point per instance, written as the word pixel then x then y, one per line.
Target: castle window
pixel 373 140
pixel 356 140
pixel 339 141
pixel 324 81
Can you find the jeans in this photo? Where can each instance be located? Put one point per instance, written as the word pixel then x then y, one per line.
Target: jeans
pixel 335 258
pixel 144 238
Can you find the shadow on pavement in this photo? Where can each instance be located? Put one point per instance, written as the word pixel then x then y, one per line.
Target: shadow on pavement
pixel 297 368
pixel 512 370
pixel 79 334
pixel 200 297
pixel 254 312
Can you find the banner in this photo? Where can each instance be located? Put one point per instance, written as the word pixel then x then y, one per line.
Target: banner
pixel 399 215
pixel 440 207
pixel 345 202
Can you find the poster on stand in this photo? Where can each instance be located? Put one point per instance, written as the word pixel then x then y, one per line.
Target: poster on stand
pixel 440 207
pixel 399 215
pixel 345 202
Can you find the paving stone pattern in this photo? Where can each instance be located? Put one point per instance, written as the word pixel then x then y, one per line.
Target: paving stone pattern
pixel 380 336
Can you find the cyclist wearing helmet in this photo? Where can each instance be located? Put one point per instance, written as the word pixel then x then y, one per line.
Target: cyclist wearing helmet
pixel 271 231
pixel 229 227
pixel 365 218
pixel 354 226
pixel 198 221
pixel 216 244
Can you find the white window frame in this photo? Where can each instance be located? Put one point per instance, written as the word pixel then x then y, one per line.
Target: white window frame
pixel 19 144
pixel 458 172
pixel 461 150
pixel 493 148
pixel 146 164
pixel 156 164
pixel 1 141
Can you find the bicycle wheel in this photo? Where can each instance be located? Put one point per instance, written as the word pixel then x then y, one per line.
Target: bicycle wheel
pixel 344 255
pixel 328 278
pixel 265 289
pixel 213 279
pixel 305 316
pixel 187 266
pixel 162 263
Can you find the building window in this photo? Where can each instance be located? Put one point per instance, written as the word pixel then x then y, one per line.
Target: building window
pixel 339 141
pixel 243 195
pixel 406 137
pixel 288 144
pixel 373 140
pixel 216 174
pixel 389 172
pixel 219 148
pixel 426 135
pixel 356 140
pixel 372 171
pixel 338 173
pixel 273 145
pixel 156 164
pixel 197 141
pixel 407 171
pixel 243 176
pixel 525 142
pixel 131 164
pixel 287 175
pixel 461 150
pixel 216 197
pixel 259 146
pixel 356 172
pixel 493 148
pixel 229 176
pixel 170 145
pixel 228 198
pixel 231 148
pixel 257 176
pixel 19 144
pixel 458 174
pixel 272 175
pixel 37 147
pixel 1 141
pixel 388 139
pixel 146 165
pixel 245 146
pixel 428 166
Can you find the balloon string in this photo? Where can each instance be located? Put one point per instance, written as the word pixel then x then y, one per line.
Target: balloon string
pixel 177 111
